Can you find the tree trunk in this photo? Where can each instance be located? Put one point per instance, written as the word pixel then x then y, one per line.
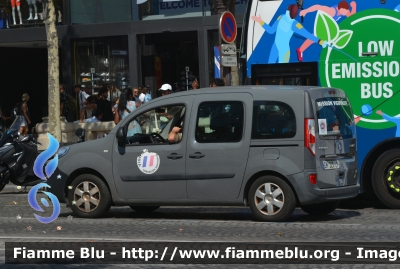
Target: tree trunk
pixel 53 70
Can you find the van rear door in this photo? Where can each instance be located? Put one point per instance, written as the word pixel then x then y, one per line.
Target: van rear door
pixel 335 137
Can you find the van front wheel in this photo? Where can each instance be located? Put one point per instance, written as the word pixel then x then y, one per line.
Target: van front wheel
pixel 320 209
pixel 89 196
pixel 271 199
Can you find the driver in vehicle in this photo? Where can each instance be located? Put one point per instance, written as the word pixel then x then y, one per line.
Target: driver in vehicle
pixel 175 136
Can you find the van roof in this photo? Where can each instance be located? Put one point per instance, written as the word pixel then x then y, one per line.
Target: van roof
pixel 256 90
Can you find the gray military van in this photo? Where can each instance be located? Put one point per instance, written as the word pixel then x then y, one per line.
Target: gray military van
pixel 271 148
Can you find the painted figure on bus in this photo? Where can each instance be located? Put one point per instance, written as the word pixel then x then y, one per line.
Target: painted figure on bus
pixel 397 8
pixel 284 28
pixel 395 120
pixel 336 12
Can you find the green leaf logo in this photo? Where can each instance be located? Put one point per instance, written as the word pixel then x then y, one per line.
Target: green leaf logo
pixel 343 39
pixel 325 27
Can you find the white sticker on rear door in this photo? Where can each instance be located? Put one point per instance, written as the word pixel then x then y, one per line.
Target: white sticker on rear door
pixel 322 127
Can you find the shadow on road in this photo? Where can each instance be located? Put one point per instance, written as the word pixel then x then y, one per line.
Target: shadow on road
pixel 362 202
pixel 217 214
pixel 14 192
pixel 336 215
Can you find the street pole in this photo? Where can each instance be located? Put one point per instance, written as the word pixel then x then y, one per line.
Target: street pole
pixel 221 9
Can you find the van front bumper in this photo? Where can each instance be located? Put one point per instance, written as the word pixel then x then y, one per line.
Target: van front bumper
pixel 57 183
pixel 308 193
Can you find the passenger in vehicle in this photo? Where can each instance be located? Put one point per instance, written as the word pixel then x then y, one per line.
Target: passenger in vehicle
pixel 334 126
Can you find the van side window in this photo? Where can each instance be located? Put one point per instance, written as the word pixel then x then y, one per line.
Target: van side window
pixel 220 122
pixel 273 120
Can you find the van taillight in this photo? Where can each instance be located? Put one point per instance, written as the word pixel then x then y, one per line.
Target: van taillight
pixel 309 135
pixel 313 179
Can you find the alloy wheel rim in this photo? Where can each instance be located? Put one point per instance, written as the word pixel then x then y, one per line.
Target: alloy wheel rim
pixel 392 177
pixel 87 196
pixel 269 199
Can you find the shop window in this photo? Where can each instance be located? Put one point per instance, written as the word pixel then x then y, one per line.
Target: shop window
pixel 100 11
pixel 101 61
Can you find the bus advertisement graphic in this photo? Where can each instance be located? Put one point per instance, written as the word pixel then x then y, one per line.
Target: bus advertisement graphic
pixel 355 50
pixel 370 77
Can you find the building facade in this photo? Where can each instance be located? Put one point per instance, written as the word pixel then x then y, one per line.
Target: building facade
pixel 119 43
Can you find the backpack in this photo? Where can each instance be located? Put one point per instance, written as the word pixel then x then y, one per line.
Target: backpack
pixel 71 103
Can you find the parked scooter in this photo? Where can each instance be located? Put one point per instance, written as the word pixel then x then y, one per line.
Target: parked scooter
pixel 17 157
pixel 80 133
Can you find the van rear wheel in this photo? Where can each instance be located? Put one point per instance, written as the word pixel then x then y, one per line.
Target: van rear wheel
pixel 271 199
pixel 89 196
pixel 144 209
pixel 320 209
pixel 386 178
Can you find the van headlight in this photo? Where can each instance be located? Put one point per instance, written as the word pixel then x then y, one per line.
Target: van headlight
pixel 63 151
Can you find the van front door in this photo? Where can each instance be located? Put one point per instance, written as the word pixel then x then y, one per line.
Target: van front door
pixel 148 166
pixel 218 148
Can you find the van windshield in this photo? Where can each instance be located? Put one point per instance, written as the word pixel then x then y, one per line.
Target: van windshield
pixel 335 118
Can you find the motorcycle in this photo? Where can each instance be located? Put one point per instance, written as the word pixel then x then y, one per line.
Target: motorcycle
pixel 17 157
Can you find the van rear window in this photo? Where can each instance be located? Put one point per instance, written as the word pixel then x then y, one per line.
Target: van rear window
pixel 335 118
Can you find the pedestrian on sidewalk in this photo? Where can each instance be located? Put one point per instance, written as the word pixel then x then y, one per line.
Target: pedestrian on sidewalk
pixel 104 105
pixel 24 112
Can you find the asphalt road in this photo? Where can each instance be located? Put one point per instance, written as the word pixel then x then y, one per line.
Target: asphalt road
pixel 353 221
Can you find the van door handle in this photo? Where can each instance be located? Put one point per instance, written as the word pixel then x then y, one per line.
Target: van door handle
pixel 174 156
pixel 196 155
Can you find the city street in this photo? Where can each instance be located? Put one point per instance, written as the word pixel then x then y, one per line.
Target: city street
pixel 352 222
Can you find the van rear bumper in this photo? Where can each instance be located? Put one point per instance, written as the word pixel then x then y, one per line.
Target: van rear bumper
pixel 308 193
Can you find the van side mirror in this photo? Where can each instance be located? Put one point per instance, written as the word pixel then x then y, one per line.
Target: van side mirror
pixel 80 133
pixel 120 137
